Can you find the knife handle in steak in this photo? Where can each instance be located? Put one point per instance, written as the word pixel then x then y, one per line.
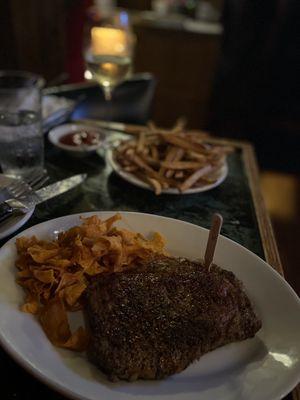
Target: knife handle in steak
pixel 157 319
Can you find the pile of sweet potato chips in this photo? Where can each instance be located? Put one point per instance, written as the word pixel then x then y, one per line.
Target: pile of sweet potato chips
pixel 55 273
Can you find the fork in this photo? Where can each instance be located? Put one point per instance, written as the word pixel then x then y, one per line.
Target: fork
pixel 21 187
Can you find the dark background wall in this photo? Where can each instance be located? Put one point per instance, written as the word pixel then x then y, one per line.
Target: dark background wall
pixel 243 84
pixel 32 35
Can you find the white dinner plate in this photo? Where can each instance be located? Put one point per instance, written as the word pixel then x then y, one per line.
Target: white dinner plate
pixel 13 223
pixel 262 368
pixel 138 182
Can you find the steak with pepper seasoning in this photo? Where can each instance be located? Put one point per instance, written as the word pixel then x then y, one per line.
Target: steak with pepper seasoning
pixel 155 320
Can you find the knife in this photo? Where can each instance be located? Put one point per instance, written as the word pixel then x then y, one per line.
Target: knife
pixel 22 205
pixel 112 126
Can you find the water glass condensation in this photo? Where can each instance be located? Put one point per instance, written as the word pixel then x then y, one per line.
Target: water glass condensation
pixel 21 138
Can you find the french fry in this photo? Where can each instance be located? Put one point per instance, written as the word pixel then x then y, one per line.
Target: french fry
pixel 131 168
pixel 129 151
pixel 154 182
pixel 156 185
pixel 212 176
pixel 154 152
pixel 151 161
pixel 126 145
pixel 151 126
pixel 177 157
pixel 145 151
pixel 197 136
pixel 141 142
pixel 181 164
pixel 144 166
pixel 194 177
pixel 172 158
pixel 183 143
pixel 196 156
pixel 179 174
pixel 140 162
pixel 170 155
pixel 179 125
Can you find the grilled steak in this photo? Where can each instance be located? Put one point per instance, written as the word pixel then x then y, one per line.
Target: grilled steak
pixel 155 320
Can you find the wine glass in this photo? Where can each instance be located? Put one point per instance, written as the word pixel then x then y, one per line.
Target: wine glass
pixel 108 52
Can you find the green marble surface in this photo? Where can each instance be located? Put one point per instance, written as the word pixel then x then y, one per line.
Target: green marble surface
pixel 104 190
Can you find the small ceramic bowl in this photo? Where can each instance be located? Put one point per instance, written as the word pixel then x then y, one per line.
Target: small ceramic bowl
pixel 57 133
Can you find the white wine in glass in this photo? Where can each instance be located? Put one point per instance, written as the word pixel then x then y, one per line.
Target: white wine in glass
pixel 109 70
pixel 109 56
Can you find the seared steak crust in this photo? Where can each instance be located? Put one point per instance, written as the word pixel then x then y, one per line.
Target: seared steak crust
pixel 155 320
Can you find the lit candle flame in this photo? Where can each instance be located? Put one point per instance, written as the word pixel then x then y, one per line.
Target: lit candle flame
pixel 108 41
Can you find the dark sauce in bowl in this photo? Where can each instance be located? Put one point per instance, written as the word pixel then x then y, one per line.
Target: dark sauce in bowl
pixel 80 138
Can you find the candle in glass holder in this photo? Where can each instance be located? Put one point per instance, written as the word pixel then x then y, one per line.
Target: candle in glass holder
pixel 110 41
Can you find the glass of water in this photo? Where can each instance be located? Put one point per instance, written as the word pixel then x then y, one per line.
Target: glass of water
pixel 21 137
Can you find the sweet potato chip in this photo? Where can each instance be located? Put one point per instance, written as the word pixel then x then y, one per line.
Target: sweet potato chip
pixel 77 341
pixel 44 276
pixel 26 273
pixel 73 292
pixel 40 254
pixel 94 269
pixel 23 243
pixel 54 321
pixel 31 308
pixel 31 305
pixel 55 273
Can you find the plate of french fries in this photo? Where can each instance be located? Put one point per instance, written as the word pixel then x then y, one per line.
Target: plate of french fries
pixel 170 161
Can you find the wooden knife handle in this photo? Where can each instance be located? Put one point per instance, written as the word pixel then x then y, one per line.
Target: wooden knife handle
pixel 214 232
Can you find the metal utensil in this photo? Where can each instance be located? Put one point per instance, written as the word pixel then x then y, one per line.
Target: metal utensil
pixel 21 206
pixel 112 126
pixel 17 188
